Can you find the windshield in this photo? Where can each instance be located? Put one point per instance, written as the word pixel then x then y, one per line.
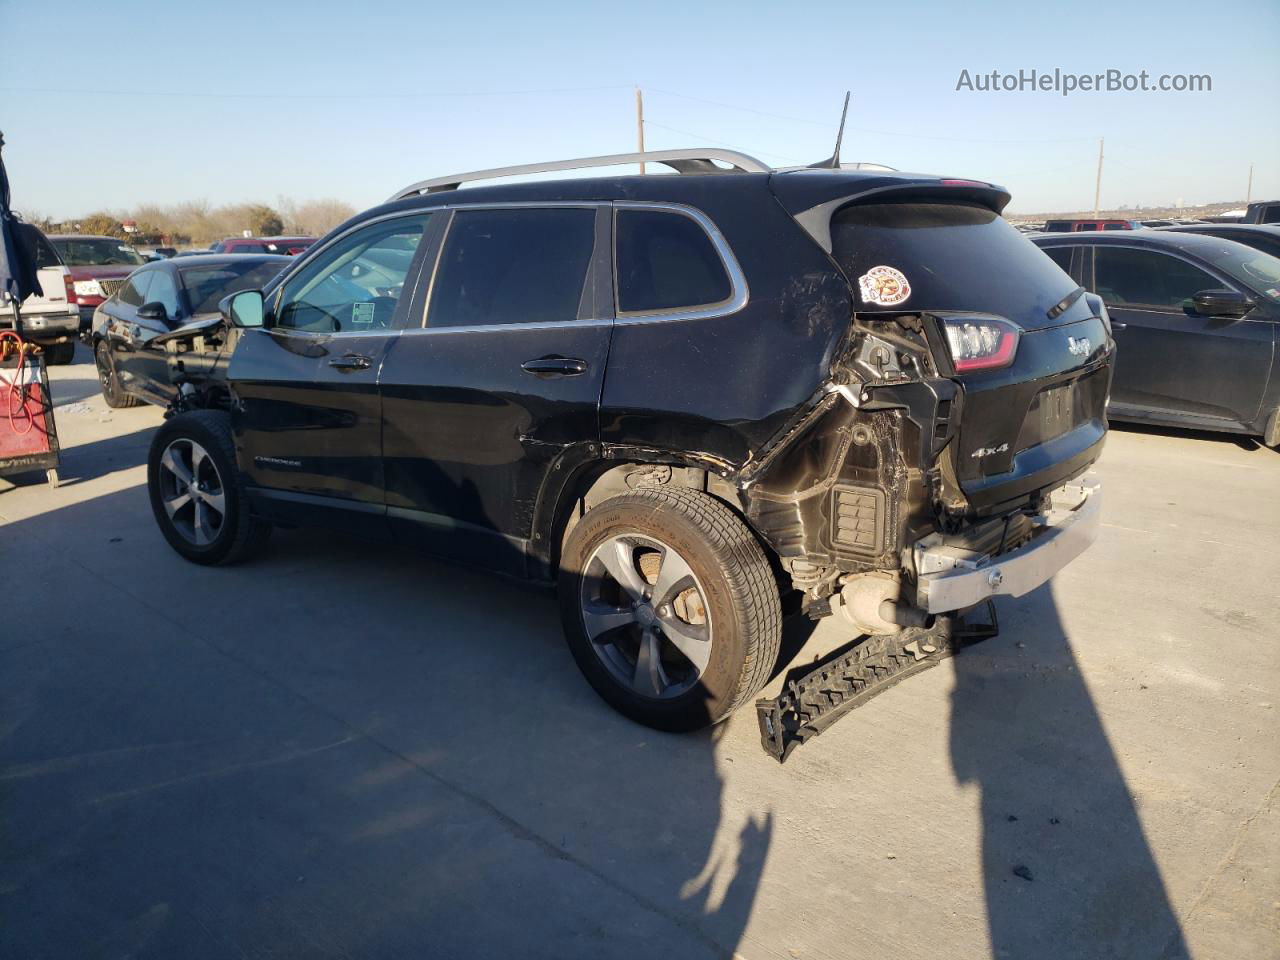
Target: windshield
pixel 1258 271
pixel 97 252
pixel 206 285
pixel 951 256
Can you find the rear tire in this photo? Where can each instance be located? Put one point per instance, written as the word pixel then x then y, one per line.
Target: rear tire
pixel 642 651
pixel 112 392
pixel 59 354
pixel 1271 432
pixel 197 493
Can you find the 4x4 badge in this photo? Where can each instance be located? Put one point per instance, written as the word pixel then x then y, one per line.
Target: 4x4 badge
pixel 886 286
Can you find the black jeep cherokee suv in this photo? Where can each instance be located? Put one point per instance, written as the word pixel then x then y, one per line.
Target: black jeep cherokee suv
pixel 679 397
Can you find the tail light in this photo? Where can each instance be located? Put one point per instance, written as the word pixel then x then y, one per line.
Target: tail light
pixel 71 288
pixel 1099 309
pixel 980 343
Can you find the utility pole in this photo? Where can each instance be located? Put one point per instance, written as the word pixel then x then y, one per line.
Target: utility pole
pixel 640 125
pixel 1248 193
pixel 1097 187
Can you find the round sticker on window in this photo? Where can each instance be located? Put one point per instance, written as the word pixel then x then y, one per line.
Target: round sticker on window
pixel 886 286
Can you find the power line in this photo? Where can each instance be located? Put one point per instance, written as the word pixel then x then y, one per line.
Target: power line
pixel 269 95
pixel 882 133
pixel 719 143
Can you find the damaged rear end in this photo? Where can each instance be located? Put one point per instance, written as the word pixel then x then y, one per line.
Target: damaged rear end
pixel 941 465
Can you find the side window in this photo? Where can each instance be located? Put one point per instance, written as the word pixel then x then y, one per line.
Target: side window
pixel 513 266
pixel 136 288
pixel 164 290
pixel 1125 276
pixel 666 261
pixel 355 284
pixel 1061 256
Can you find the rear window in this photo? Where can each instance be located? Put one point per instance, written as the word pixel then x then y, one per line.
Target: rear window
pixel 206 285
pixel 666 262
pixel 45 255
pixel 951 256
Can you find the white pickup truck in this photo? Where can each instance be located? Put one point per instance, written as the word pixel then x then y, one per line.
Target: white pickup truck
pixel 50 318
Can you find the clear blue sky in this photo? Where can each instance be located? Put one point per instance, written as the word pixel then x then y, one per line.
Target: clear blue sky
pixel 113 104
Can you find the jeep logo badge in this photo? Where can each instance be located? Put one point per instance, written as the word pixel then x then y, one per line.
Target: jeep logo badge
pixel 1079 346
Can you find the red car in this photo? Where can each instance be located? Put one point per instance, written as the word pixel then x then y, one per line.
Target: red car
pixel 289 246
pixel 98 268
pixel 1076 226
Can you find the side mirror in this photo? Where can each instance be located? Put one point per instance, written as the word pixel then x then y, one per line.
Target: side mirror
pixel 1229 304
pixel 153 311
pixel 244 309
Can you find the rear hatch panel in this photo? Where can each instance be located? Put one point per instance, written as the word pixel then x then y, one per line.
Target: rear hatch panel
pixel 1023 428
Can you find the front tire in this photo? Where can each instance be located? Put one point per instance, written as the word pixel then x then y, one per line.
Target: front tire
pixel 197 494
pixel 669 607
pixel 112 392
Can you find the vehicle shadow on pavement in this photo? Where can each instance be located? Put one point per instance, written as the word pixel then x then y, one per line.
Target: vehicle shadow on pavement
pixel 88 461
pixel 1235 439
pixel 338 749
pixel 1067 870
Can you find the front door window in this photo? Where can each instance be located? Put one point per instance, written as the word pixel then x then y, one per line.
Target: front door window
pixel 354 285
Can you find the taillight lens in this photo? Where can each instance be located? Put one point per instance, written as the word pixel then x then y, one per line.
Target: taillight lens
pixel 71 288
pixel 1099 309
pixel 981 343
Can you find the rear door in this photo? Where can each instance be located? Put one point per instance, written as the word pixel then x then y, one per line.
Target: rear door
pixel 503 380
pixel 1169 358
pixel 308 417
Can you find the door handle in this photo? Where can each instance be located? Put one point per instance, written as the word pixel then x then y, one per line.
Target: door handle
pixel 555 366
pixel 352 361
pixel 1115 325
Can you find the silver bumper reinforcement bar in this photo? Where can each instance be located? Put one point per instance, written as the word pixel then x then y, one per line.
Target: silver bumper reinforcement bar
pixel 953 579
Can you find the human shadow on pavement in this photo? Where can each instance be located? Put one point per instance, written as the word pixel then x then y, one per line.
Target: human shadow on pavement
pixel 1067 870
pixel 338 744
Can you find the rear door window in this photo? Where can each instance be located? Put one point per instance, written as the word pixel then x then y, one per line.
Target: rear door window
pixel 526 265
pixel 1061 256
pixel 952 256
pixel 666 262
pixel 1124 276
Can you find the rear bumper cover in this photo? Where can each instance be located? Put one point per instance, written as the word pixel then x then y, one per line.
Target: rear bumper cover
pixel 43 325
pixel 949 579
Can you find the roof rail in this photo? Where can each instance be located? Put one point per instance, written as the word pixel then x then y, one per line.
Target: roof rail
pixel 682 161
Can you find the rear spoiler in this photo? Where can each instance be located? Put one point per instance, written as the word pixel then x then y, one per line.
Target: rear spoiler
pixel 798 198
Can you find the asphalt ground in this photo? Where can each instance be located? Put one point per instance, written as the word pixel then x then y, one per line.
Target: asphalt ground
pixel 340 750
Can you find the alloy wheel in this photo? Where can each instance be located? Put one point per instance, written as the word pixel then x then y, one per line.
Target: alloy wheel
pixel 192 491
pixel 646 616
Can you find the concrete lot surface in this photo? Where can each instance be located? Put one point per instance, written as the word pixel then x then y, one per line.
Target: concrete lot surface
pixel 344 751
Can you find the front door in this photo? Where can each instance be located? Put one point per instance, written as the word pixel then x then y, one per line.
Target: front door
pixel 122 330
pixel 145 362
pixel 501 382
pixel 308 418
pixel 1170 359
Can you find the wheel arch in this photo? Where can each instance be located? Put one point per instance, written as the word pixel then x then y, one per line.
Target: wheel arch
pixel 576 483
